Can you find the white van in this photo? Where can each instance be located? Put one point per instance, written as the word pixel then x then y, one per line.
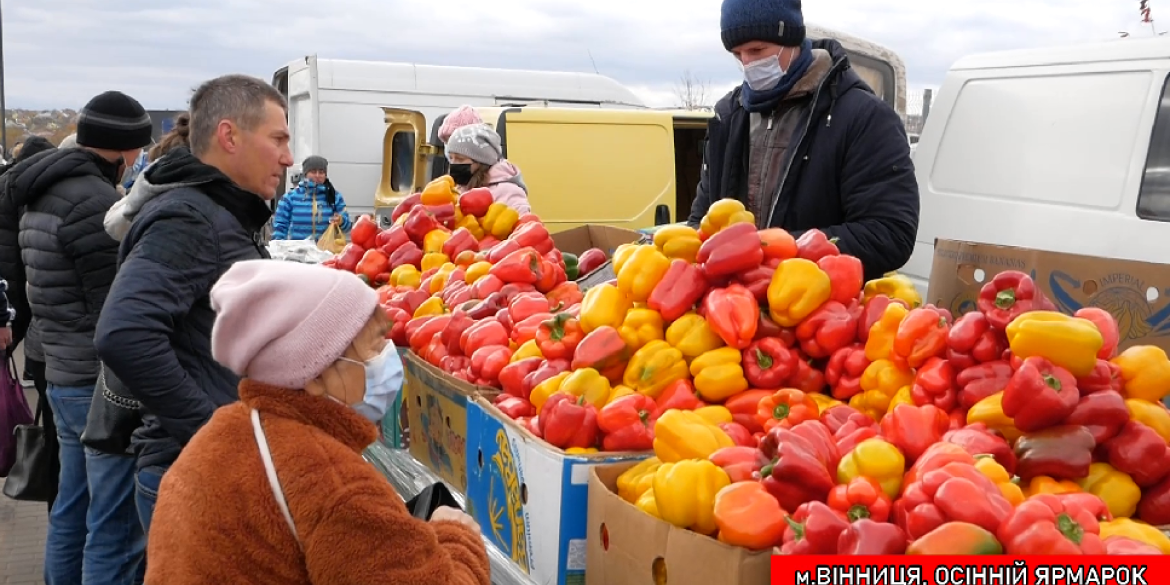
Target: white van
pixel 1063 149
pixel 335 107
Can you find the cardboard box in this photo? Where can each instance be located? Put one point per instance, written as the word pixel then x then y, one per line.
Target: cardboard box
pixel 436 406
pixel 529 497
pixel 608 238
pixel 1137 294
pixel 629 547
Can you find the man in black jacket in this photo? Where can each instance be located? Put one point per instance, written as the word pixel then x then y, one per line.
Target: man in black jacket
pixel 94 536
pixel 192 214
pixel 804 143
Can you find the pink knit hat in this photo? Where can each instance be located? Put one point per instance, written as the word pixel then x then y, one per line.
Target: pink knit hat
pixel 282 323
pixel 464 116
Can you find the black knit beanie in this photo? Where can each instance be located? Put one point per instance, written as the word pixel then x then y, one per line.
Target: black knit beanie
pixel 114 121
pixel 773 21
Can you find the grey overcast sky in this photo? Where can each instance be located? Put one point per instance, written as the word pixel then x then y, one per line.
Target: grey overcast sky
pixel 58 53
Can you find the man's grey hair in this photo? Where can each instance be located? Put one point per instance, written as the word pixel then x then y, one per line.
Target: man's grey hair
pixel 239 98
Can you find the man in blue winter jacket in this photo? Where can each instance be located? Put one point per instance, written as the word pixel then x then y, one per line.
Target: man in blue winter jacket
pixel 804 143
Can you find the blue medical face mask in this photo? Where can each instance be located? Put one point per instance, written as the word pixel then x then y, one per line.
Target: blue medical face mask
pixel 383 383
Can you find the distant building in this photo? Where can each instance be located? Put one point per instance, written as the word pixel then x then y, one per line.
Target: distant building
pixel 163 121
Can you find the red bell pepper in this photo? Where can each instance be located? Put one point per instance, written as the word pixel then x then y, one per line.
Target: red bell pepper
pixel 526 330
pixel 349 257
pixel 501 250
pixel 522 266
pixel 858 428
pixel 814 245
pixel 482 334
pixel 732 313
pixel 525 305
pixel 981 381
pixel 680 288
pixel 861 498
pixel 1007 296
pixel 734 249
pixel 567 421
pixel 1139 451
pixel 971 341
pixel 419 222
pixel 838 416
pixel 1039 395
pixel 513 407
pixel 1107 325
pixel 487 286
pixel 551 275
pixel 1105 377
pixel 844 370
pixel 1154 507
pixel 867 537
pixel 428 328
pixel 408 253
pixel 936 457
pixel 566 294
pixel 739 434
pixel 531 424
pixel 768 363
pixel 977 440
pixel 828 329
pixel 413 200
pixel 512 376
pixel 546 370
pixel 533 235
pixel 601 349
pixel 397 332
pixel 558 337
pixel 1102 413
pixel 766 327
pixel 935 384
pixel 681 395
pixel 921 336
pixel 813 529
pixel 758 279
pixel 512 289
pixel 1063 452
pixel 914 428
pixel 591 260
pixel 627 423
pixel 373 263
pixel 1091 503
pixel 807 378
pixel 487 362
pixel 390 240
pixel 461 240
pixel 739 462
pixel 786 408
pixel 453 333
pixel 954 492
pixel 364 232
pixel 1044 525
pixel 871 312
pixel 846 277
pixel 743 406
pixel 476 201
pixel 1121 545
pixel 801 459
pixel 444 214
pixel 435 353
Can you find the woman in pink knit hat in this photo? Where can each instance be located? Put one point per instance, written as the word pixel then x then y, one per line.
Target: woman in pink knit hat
pixel 274 488
pixel 464 116
pixel 477 159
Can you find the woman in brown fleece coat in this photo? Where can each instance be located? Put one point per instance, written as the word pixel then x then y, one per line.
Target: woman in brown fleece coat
pixel 221 516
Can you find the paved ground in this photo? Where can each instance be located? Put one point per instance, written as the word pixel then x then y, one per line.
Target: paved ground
pixel 22 537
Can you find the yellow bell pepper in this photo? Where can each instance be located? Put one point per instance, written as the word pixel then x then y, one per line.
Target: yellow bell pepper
pixel 434 240
pixel 902 396
pixel 880 382
pixel 718 374
pixel 476 271
pixel 678 241
pixel 642 272
pixel 471 224
pixel 654 367
pixel 683 434
pixel 878 460
pixel 989 411
pixel 581 450
pixel 440 191
pixel 430 308
pixel 723 213
pixel 991 469
pixel 1069 342
pixel 715 415
pixel 894 286
pixel 589 385
pixel 641 326
pixel 603 305
pixel 440 278
pixel 693 336
pixel 824 401
pixel 685 493
pixel 544 390
pixel 1151 414
pixel 406 275
pixel 1146 372
pixel 798 288
pixel 646 502
pixel 528 349
pixel 1117 489
pixel 619 391
pixel 880 344
pixel 634 482
pixel 1048 485
pixel 1137 530
pixel 434 260
pixel 500 220
pixel 621 254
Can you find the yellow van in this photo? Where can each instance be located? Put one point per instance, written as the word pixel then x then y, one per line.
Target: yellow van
pixel 624 168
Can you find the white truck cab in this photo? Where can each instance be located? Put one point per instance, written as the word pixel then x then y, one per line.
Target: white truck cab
pixel 1061 149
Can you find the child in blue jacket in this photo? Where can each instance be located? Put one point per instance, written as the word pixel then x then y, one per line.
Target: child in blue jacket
pixel 306 211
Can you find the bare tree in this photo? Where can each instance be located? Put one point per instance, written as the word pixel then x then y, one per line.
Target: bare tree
pixel 691 92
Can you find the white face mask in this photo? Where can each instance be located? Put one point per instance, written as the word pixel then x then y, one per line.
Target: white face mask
pixel 383 382
pixel 764 74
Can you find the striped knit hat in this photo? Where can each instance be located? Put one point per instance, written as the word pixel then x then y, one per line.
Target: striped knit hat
pixel 114 121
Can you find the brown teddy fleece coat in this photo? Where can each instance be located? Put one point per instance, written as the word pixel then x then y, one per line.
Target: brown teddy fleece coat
pixel 217 520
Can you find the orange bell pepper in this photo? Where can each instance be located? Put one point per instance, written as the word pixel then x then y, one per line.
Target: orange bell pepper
pixel 880 382
pixel 1146 371
pixel 1047 485
pixel 786 408
pixel 748 516
pixel 989 467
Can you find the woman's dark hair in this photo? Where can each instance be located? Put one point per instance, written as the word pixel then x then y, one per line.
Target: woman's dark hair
pixel 178 136
pixel 480 177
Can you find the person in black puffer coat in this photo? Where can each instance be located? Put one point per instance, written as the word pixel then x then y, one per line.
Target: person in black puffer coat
pixel 70 262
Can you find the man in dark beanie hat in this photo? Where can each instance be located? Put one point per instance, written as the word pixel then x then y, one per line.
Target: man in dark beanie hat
pixel 61 198
pixel 804 143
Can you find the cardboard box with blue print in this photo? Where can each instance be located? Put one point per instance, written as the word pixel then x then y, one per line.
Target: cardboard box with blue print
pixel 1137 294
pixel 436 406
pixel 529 497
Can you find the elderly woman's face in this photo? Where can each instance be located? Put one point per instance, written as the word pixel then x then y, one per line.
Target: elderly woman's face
pixel 346 380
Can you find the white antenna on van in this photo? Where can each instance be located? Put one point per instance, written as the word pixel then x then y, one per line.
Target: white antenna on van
pixel 591 60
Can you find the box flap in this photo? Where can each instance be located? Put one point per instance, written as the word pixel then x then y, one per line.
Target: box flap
pixel 608 238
